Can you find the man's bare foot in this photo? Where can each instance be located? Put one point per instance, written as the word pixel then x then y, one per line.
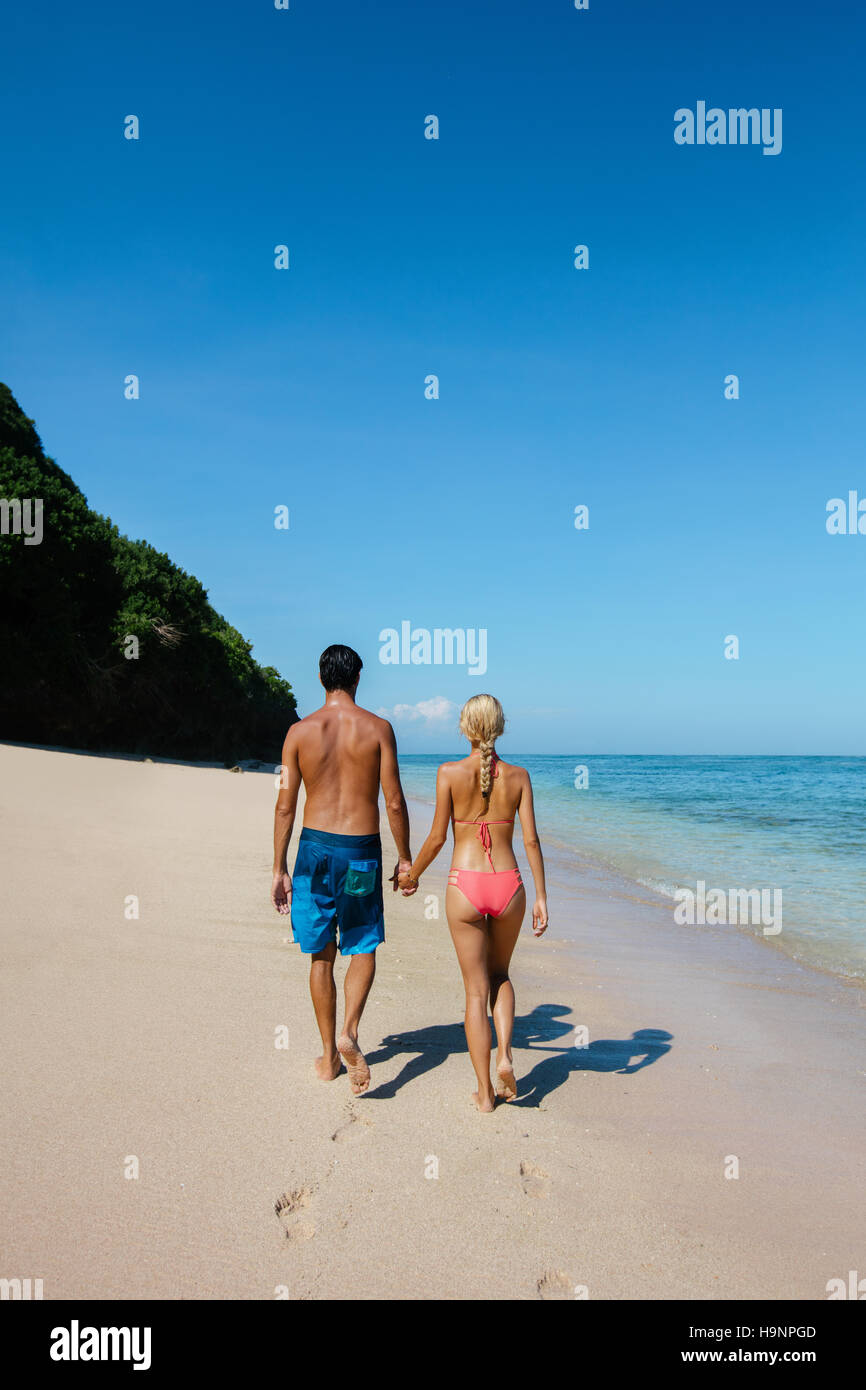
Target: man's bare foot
pixel 328 1068
pixel 483 1103
pixel 506 1086
pixel 356 1064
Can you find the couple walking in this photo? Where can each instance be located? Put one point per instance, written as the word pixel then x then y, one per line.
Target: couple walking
pixel 343 754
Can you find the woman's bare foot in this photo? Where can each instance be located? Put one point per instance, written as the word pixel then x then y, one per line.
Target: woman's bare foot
pixel 328 1068
pixel 356 1064
pixel 506 1086
pixel 484 1103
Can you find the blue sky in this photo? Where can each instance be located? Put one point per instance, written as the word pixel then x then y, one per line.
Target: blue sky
pixel 557 387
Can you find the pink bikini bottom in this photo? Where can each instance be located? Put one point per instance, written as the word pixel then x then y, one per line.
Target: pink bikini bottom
pixel 489 893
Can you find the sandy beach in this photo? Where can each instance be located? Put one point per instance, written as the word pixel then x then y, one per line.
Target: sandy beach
pixel 156 1042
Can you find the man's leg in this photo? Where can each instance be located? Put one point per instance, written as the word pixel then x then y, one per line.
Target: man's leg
pixel 358 983
pixel 323 992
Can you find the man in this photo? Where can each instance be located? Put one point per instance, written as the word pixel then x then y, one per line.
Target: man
pixel 342 754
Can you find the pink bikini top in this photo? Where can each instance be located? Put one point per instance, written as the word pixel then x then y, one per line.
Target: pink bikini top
pixel 484 825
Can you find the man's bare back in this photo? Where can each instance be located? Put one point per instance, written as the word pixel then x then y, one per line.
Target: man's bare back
pixel 342 752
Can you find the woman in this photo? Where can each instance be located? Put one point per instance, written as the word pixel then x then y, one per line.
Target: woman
pixel 485 900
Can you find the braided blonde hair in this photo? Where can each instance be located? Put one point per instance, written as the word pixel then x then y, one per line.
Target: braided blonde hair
pixel 482 719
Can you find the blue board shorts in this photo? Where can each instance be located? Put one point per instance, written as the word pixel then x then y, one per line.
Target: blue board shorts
pixel 337 881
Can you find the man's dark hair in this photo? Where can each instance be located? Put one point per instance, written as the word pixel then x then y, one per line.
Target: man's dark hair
pixel 339 667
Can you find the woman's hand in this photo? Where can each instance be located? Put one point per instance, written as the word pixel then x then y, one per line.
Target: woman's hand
pixel 539 916
pixel 400 878
pixel 405 879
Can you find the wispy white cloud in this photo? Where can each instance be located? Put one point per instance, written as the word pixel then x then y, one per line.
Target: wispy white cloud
pixel 432 713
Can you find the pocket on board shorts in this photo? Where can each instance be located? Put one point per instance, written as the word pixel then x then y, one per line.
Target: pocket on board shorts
pixel 361 877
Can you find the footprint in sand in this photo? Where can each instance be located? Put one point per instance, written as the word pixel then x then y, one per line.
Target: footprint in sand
pixel 352 1125
pixel 555 1284
pixel 294 1228
pixel 534 1179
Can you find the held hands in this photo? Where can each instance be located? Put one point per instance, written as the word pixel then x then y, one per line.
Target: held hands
pixel 539 917
pixel 281 893
pixel 402 878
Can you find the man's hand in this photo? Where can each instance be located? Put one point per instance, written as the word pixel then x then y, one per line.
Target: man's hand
pixel 281 893
pixel 400 877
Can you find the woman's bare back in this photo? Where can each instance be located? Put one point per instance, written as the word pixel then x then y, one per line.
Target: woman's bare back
pixel 469 809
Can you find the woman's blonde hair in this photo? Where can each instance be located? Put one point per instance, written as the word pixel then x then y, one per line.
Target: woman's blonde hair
pixel 481 718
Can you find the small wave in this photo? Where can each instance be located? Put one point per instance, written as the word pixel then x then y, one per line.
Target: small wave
pixel 667 890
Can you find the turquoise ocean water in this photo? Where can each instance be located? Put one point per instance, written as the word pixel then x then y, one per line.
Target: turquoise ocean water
pixel 788 823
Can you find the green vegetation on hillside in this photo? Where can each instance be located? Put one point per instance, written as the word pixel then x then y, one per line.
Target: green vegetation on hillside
pixel 68 609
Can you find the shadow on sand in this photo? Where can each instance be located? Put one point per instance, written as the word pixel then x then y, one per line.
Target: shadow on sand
pixel 532 1032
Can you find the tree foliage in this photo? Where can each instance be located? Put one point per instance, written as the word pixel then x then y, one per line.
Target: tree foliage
pixel 68 607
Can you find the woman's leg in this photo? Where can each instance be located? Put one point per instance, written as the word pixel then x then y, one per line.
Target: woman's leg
pixel 469 934
pixel 501 940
